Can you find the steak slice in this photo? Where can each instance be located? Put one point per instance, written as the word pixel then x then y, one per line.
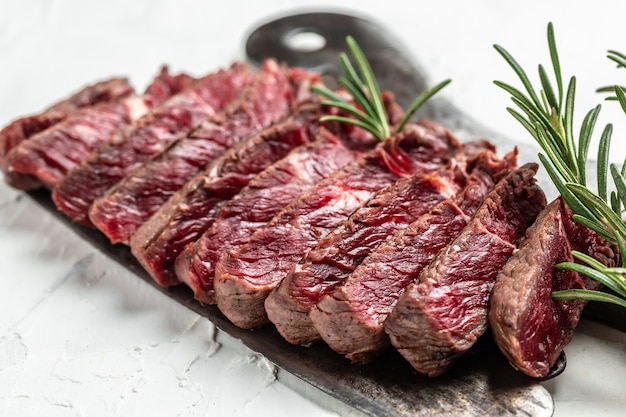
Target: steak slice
pixel 255 205
pixel 350 318
pixel 192 210
pixel 335 258
pixel 442 314
pixel 167 85
pixel 244 278
pixel 48 156
pixel 130 203
pixel 129 148
pixel 25 127
pixel 530 327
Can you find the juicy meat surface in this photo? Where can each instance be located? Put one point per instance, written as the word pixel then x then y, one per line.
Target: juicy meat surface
pixel 48 156
pixel 166 85
pixel 245 277
pixel 192 210
pixel 363 302
pixel 256 204
pixel 322 271
pixel 129 148
pixel 335 257
pixel 530 327
pixel 25 127
pixel 441 315
pixel 130 203
pixel 51 154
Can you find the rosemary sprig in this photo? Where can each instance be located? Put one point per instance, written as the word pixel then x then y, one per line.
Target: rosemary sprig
pixel 620 59
pixel 548 116
pixel 369 113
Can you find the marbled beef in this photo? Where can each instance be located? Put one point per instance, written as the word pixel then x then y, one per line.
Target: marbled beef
pixel 530 327
pixel 441 315
pixel 131 147
pixel 335 258
pixel 350 319
pixel 246 276
pixel 255 205
pixel 49 155
pixel 268 98
pixel 25 127
pixel 192 210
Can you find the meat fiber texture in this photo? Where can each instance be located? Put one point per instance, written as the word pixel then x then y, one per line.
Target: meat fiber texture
pixel 45 158
pixel 268 98
pixel 334 257
pixel 442 314
pixel 167 85
pixel 360 269
pixel 129 148
pixel 530 327
pixel 25 127
pixel 350 319
pixel 245 277
pixel 192 210
pixel 256 204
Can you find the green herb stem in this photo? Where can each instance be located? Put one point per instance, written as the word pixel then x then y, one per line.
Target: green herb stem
pixel 549 117
pixel 368 110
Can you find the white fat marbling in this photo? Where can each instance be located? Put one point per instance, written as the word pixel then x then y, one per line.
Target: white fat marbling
pixel 81 336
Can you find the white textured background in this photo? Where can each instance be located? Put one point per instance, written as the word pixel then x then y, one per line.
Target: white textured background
pixel 80 336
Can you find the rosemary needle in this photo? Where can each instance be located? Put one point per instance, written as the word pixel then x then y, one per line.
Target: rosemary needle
pixel 548 117
pixel 369 112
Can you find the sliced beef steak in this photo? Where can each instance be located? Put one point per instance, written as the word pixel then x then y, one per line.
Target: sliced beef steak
pixel 192 210
pixel 335 256
pixel 350 319
pixel 48 156
pixel 255 205
pixel 246 276
pixel 530 327
pixel 131 147
pixel 327 267
pixel 268 98
pixel 441 315
pixel 167 85
pixel 25 127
